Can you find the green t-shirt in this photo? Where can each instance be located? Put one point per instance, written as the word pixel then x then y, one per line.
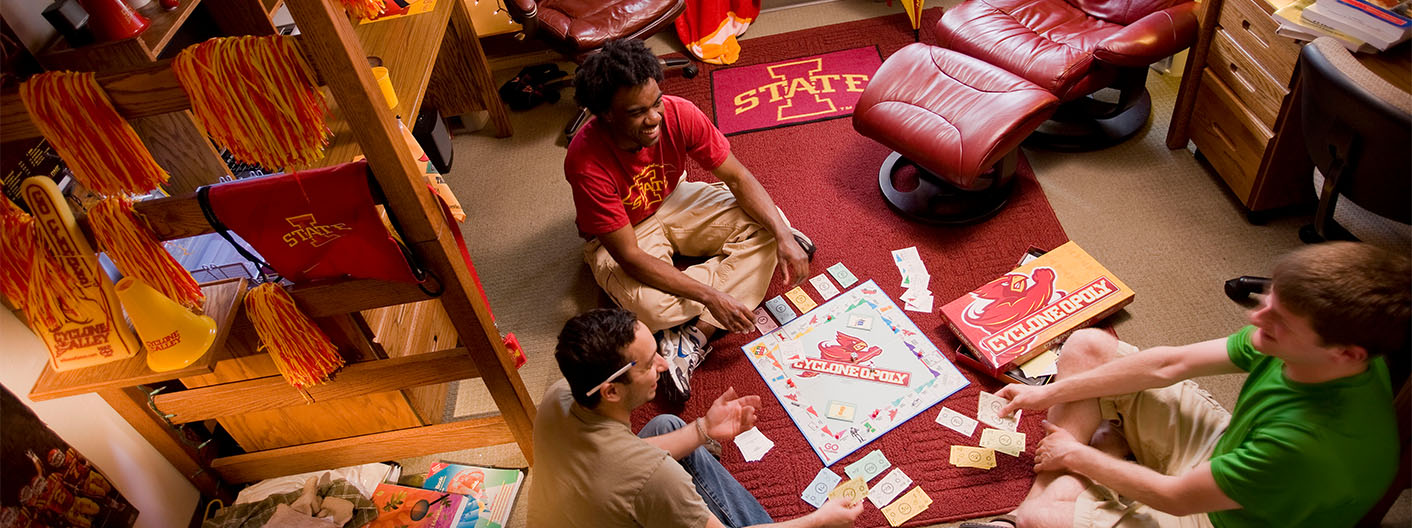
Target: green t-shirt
pixel 1298 454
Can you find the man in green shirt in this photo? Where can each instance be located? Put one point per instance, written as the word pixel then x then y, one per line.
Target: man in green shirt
pixel 1313 440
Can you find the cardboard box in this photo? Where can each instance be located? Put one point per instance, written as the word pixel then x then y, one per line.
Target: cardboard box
pixel 1011 319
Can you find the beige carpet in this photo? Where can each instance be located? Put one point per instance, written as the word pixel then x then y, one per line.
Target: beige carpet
pixel 1156 217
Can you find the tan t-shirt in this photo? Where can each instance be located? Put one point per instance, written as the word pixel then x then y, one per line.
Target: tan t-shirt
pixel 592 471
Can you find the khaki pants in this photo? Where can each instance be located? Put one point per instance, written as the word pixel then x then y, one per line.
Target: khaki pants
pixel 1172 430
pixel 696 220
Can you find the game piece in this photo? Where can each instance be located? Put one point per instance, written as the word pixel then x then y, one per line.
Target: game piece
pixel 1008 442
pixel 841 274
pixel 976 457
pixel 852 490
pixel 956 421
pixel 753 444
pixel 780 309
pixel 818 491
pixel 841 411
pixel 763 322
pixel 907 507
pixel 861 322
pixel 988 412
pixel 1015 317
pixel 868 467
pixel 889 487
pixel 800 299
pixel 825 287
pixel 888 371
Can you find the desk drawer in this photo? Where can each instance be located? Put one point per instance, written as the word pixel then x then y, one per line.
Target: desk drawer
pixel 1251 84
pixel 1250 26
pixel 1229 135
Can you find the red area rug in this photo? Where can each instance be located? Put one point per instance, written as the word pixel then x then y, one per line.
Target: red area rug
pixel 791 91
pixel 824 176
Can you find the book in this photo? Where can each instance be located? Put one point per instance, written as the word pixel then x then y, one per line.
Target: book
pixel 494 489
pixel 1013 318
pixel 1363 20
pixel 1293 24
pixel 405 506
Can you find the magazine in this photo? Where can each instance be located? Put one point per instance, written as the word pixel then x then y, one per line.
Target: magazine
pixel 494 490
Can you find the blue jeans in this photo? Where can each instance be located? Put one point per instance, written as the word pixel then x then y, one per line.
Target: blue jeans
pixel 724 496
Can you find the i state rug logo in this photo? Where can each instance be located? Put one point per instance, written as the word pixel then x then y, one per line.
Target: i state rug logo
pixel 792 92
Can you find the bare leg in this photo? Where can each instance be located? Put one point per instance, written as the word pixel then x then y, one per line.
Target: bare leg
pixel 1050 501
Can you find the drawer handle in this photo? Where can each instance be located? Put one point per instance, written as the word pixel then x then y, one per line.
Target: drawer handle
pixel 1245 24
pixel 1244 83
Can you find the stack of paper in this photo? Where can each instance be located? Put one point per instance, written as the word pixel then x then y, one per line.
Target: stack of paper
pixel 753 444
pixel 915 278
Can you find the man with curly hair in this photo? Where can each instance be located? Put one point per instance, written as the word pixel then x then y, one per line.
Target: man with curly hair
pixel 627 168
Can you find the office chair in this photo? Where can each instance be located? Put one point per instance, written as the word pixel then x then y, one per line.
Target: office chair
pixel 577 28
pixel 1358 128
pixel 1073 49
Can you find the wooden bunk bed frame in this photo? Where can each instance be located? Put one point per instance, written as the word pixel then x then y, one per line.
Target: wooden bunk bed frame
pixel 329 44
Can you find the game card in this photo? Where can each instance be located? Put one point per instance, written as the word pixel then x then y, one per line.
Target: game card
pixel 956 421
pixel 825 286
pixel 988 412
pixel 818 491
pixel 763 322
pixel 1008 442
pixel 780 309
pixel 753 444
pixel 861 322
pixel 889 487
pixel 841 410
pixel 800 299
pixel 869 466
pixel 975 457
pixel 907 507
pixel 841 274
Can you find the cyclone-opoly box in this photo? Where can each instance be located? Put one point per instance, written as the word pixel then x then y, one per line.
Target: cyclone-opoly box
pixel 1026 311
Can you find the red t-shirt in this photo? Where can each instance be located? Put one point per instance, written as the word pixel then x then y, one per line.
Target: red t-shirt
pixel 615 187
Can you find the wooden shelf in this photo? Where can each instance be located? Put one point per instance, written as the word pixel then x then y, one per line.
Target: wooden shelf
pixel 223 300
pixel 408 47
pixel 164 24
pixel 271 6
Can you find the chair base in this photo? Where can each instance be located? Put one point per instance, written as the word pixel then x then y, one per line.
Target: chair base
pixel 935 201
pixel 1080 126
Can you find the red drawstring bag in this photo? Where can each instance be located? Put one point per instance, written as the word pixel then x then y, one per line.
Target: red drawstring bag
pixel 310 225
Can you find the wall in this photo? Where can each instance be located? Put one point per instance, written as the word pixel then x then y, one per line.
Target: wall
pixel 27 19
pixel 162 495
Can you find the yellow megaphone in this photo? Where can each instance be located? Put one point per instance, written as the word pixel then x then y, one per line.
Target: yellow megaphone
pixel 173 336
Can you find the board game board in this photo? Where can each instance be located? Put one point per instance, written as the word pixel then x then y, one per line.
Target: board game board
pixel 852 369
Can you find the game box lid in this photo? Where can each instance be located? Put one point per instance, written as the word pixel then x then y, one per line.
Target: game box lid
pixel 1011 319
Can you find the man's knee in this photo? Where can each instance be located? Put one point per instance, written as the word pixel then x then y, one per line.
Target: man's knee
pixel 662 424
pixel 1086 349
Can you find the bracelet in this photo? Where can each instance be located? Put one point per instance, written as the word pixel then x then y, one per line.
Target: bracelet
pixel 701 431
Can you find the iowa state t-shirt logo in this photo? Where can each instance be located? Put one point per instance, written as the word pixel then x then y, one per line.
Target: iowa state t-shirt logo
pixel 793 91
pixel 307 229
pixel 647 189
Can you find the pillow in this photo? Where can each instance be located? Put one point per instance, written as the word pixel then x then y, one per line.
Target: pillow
pixel 365 477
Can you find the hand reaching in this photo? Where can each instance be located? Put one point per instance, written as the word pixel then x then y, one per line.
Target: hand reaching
pixel 730 415
pixel 735 317
pixel 793 262
pixel 1058 450
pixel 838 513
pixel 1026 397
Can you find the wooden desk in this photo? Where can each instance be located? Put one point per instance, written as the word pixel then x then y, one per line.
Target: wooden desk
pixel 1237 104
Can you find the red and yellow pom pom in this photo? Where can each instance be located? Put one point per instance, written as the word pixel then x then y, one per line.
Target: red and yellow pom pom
pixel 302 353
pixel 364 8
pixel 74 114
pixel 129 241
pixel 17 236
pixel 257 97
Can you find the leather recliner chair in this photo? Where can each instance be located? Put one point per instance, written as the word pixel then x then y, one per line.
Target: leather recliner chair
pixel 577 28
pixel 1074 48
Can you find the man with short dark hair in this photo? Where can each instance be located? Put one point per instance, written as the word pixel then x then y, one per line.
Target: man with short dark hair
pixel 627 169
pixel 591 471
pixel 1313 440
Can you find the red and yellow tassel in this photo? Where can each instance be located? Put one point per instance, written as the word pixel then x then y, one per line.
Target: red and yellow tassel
pixel 257 97
pixel 132 246
pixel 103 151
pixel 302 353
pixel 17 235
pixel 364 8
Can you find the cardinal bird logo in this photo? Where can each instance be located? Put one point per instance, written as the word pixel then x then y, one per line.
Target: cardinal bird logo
pixel 1010 298
pixel 848 349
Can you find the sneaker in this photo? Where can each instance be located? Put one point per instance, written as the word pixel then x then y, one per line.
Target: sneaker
pixel 804 243
pixel 684 347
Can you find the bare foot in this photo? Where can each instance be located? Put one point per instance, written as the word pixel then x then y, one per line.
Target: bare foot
pixel 1109 439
